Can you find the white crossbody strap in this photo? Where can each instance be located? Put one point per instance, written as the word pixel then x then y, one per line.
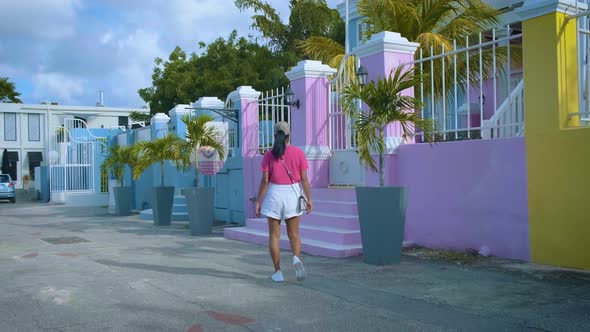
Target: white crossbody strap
pixel 297 193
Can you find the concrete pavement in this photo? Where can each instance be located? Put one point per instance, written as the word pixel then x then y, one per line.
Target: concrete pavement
pixel 132 276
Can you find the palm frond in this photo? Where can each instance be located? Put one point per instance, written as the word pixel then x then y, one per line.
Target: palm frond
pixel 199 134
pixel 321 48
pixel 159 150
pixel 385 104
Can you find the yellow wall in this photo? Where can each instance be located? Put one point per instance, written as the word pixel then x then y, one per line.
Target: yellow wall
pixel 558 158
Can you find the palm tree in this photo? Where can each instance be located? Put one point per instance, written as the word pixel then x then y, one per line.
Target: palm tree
pixel 117 157
pixel 386 105
pixel 433 24
pixel 307 18
pixel 169 147
pixel 200 135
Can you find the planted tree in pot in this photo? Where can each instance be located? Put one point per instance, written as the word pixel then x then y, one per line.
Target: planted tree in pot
pixel 114 163
pixel 200 200
pixel 158 151
pixel 382 210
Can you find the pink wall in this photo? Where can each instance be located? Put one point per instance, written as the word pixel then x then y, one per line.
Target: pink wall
pixel 249 150
pixel 465 194
pixel 319 173
pixel 309 123
pixel 252 176
pixel 380 65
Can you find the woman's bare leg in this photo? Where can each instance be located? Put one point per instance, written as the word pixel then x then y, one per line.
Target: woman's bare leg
pixel 295 241
pixel 293 233
pixel 274 238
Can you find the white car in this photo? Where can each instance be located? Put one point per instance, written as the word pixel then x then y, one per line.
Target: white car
pixel 7 188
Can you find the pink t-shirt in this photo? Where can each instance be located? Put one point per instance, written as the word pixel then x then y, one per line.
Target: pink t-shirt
pixel 294 159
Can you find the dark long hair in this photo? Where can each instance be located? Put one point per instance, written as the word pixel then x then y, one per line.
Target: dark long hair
pixel 280 145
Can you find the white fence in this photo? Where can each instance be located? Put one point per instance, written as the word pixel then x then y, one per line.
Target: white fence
pixel 583 25
pixel 272 108
pixel 469 85
pixel 499 4
pixel 508 121
pixel 341 129
pixel 72 154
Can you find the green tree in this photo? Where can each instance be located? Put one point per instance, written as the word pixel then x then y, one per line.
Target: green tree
pixel 386 105
pixel 140 117
pixel 306 18
pixel 8 92
pixel 172 82
pixel 222 66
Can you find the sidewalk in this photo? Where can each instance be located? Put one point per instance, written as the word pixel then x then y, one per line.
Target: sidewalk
pixel 132 276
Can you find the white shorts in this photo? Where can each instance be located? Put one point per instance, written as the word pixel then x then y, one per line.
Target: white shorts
pixel 280 201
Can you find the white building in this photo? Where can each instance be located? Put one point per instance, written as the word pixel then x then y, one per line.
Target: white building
pixel 26 135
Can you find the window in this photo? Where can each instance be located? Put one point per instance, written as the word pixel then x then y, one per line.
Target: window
pixel 123 121
pixel 35 159
pixel 34 127
pixel 10 126
pixel 79 122
pixel 361 32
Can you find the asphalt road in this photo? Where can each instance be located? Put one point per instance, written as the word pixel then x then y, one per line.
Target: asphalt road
pixel 127 275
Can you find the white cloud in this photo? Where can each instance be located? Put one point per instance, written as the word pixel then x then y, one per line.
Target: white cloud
pixel 56 86
pixel 39 19
pixel 106 38
pixel 67 50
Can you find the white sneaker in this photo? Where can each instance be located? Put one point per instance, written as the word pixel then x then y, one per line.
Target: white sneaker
pixel 299 270
pixel 278 276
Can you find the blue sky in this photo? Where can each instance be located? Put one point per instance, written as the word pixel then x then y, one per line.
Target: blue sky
pixel 68 50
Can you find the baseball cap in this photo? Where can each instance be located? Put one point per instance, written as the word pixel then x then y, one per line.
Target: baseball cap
pixel 282 126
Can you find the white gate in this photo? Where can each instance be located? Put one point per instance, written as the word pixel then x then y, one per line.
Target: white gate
pixel 345 167
pixel 72 160
pixel 272 108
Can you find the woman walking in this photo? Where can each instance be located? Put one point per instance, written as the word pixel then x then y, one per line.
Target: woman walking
pixel 284 172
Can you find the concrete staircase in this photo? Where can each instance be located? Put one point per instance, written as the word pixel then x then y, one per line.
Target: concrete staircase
pixel 332 230
pixel 179 210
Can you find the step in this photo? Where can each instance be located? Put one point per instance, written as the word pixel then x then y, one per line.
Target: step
pixel 334 194
pixel 176 216
pixel 179 208
pixel 308 246
pixel 179 199
pixel 331 219
pixel 312 232
pixel 335 206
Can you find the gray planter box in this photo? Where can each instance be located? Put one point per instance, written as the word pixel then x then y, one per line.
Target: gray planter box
pixel 382 217
pixel 123 197
pixel 199 202
pixel 162 202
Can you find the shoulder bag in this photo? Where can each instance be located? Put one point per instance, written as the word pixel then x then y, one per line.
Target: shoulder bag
pixel 301 201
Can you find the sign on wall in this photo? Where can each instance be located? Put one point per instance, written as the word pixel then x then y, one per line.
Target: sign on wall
pixel 208 160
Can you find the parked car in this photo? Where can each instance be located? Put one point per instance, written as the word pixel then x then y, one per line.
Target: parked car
pixel 7 188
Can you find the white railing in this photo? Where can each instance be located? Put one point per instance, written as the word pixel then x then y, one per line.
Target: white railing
pixel 499 4
pixel 458 106
pixel 341 130
pixel 272 108
pixel 232 132
pixel 72 158
pixel 508 121
pixel 583 26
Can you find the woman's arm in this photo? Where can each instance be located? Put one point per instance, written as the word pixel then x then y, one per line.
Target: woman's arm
pixel 307 190
pixel 261 192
